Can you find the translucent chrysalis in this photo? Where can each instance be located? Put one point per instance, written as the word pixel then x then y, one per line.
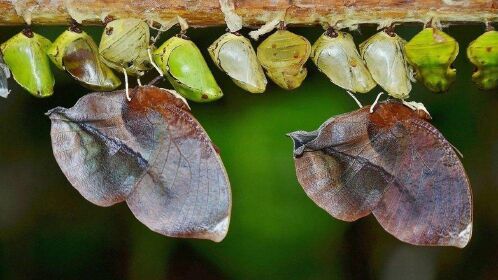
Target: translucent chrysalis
pixel 234 54
pixel 76 52
pixel 335 54
pixel 385 59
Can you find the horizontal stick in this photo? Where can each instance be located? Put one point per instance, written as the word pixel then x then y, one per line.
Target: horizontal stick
pixel 201 13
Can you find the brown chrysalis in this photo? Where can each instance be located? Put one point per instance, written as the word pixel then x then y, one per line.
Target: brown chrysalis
pixel 392 163
pixel 150 152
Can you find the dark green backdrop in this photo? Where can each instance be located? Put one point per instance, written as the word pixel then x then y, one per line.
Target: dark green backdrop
pixel 48 231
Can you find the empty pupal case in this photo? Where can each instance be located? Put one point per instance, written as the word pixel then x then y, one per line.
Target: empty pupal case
pixel 385 59
pixel 283 55
pixel 431 53
pixel 124 45
pixel 25 54
pixel 234 55
pixel 76 52
pixel 182 62
pixel 335 54
pixel 483 53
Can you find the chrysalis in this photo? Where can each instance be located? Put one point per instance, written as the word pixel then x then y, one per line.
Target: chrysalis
pixel 25 54
pixel 4 76
pixel 431 52
pixel 483 53
pixel 335 54
pixel 182 62
pixel 392 163
pixel 384 55
pixel 77 53
pixel 124 45
pixel 149 152
pixel 234 54
pixel 283 55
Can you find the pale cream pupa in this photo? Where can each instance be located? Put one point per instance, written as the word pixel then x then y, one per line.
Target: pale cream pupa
pixel 335 54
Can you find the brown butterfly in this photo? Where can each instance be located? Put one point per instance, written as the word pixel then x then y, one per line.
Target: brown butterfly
pixel 150 152
pixel 391 163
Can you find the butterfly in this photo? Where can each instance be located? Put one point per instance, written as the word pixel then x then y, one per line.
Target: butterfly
pixel 392 163
pixel 149 152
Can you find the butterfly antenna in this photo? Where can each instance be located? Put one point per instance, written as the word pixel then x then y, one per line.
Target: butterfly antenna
pixel 354 98
pixel 375 102
pixel 126 85
pixel 456 150
pixel 177 95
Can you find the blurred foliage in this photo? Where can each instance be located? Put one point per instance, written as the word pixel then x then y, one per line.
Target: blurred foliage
pixel 48 231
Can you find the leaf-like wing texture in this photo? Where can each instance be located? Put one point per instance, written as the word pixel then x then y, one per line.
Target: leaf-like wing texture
pixel 150 152
pixel 430 202
pixel 392 163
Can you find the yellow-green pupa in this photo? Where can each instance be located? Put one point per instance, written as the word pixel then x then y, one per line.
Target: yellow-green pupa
pixel 431 53
pixel 186 69
pixel 234 55
pixel 385 59
pixel 335 55
pixel 25 54
pixel 483 53
pixel 76 52
pixel 124 45
pixel 283 55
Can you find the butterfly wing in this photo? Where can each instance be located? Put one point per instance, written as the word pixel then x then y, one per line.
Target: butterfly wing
pixel 185 190
pixel 430 201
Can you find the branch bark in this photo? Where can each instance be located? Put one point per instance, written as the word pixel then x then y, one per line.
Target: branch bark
pixel 201 13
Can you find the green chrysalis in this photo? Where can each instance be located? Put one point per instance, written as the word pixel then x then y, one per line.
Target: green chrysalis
pixel 77 53
pixel 186 69
pixel 25 54
pixel 124 45
pixel 483 53
pixel 431 52
pixel 283 55
pixel 234 54
pixel 335 54
pixel 385 59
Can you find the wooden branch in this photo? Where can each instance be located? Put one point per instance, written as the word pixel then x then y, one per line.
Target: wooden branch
pixel 202 13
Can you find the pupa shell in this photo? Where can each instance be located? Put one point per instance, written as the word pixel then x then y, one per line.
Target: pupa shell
pixel 4 76
pixel 124 44
pixel 77 53
pixel 234 55
pixel 336 56
pixel 385 59
pixel 283 55
pixel 431 52
pixel 25 54
pixel 483 53
pixel 186 69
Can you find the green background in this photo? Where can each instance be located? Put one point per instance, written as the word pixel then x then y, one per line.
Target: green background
pixel 48 231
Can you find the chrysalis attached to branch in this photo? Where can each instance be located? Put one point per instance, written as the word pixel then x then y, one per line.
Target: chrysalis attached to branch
pixel 335 54
pixel 432 52
pixel 234 54
pixel 25 54
pixel 283 55
pixel 183 64
pixel 76 52
pixel 483 53
pixel 385 58
pixel 150 152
